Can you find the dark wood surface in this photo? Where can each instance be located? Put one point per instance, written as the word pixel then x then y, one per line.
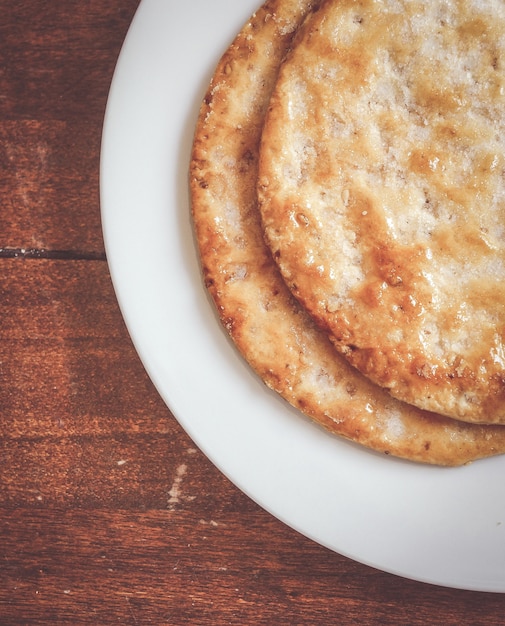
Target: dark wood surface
pixel 108 512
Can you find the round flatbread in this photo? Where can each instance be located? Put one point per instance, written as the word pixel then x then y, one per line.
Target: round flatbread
pixel 271 330
pixel 382 188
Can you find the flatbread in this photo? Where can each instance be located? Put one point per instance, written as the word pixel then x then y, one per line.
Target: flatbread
pixel 271 330
pixel 383 194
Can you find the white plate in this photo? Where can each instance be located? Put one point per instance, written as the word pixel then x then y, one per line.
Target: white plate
pixel 444 526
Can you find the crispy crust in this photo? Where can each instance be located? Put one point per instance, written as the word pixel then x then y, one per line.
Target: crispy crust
pixel 382 192
pixel 271 330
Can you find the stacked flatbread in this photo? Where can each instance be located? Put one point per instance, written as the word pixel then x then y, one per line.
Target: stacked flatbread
pixel 258 130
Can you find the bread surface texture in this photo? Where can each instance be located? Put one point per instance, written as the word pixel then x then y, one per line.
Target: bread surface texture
pixel 272 331
pixel 382 189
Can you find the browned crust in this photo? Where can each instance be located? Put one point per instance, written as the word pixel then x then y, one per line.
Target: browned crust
pixel 273 333
pixel 439 347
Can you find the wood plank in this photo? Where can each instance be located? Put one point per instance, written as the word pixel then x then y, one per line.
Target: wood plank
pixel 56 66
pixel 67 364
pixel 176 567
pixel 58 58
pixel 49 185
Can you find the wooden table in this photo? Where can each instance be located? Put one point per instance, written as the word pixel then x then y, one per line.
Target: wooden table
pixel 108 512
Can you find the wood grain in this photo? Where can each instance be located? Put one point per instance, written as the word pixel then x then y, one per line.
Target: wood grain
pixel 109 514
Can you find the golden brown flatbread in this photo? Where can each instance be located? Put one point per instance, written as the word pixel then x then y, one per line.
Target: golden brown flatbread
pixel 271 330
pixel 382 183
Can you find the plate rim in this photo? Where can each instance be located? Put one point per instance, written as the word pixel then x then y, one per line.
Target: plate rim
pixel 137 145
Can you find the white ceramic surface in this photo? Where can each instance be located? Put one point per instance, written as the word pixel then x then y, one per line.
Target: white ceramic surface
pixel 444 526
